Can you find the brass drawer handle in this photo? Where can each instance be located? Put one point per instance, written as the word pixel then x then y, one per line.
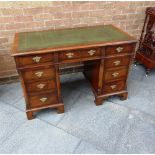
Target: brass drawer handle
pixel 119 49
pixel 43 100
pixel 40 86
pixel 115 74
pixel 39 74
pixel 116 63
pixel 70 55
pixel 91 52
pixel 36 59
pixel 113 86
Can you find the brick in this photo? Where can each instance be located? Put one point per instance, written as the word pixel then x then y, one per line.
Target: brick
pixel 61 3
pixel 137 21
pixel 34 24
pixel 119 17
pixel 15 26
pixel 132 27
pixel 75 21
pixel 42 17
pixel 9 61
pixel 105 6
pixel 84 7
pixel 92 7
pixel 2 27
pixel 7 33
pixel 6 19
pixel 11 12
pixel 54 22
pixel 62 15
pixel 53 9
pixel 33 11
pixel 97 13
pixel 128 11
pixel 30 4
pixel 23 19
pixel 73 8
pixel 88 20
pixel 121 5
pixel 3 40
pixel 68 23
pixel 80 14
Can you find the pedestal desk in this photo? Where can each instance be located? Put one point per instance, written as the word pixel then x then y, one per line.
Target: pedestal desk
pixel 105 51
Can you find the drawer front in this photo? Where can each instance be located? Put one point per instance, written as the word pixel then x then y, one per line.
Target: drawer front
pixel 41 86
pixel 35 59
pixel 113 87
pixel 119 49
pixel 78 54
pixel 116 73
pixel 42 100
pixel 39 74
pixel 115 62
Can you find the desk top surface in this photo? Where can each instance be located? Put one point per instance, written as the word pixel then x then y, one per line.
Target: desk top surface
pixel 54 40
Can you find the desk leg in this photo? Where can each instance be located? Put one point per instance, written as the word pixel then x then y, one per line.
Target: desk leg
pixel 29 115
pixel 60 109
pixel 99 101
pixel 123 96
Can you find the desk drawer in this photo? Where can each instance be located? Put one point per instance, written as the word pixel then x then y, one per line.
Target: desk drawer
pixel 115 62
pixel 116 73
pixel 38 74
pixel 43 100
pixel 118 49
pixel 79 54
pixel 113 87
pixel 35 59
pixel 41 86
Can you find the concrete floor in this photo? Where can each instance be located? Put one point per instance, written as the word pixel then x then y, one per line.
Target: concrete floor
pixel 114 127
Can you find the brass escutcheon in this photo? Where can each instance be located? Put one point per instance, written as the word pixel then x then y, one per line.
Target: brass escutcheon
pixel 119 49
pixel 43 99
pixel 40 86
pixel 36 59
pixel 115 74
pixel 113 86
pixel 39 74
pixel 91 52
pixel 70 55
pixel 117 62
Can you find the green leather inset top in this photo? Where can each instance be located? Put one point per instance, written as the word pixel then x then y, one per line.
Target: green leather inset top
pixel 69 37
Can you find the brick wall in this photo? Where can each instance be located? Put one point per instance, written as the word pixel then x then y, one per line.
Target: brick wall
pixel 30 16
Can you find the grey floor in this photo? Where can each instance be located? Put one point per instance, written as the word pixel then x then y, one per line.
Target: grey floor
pixel 114 127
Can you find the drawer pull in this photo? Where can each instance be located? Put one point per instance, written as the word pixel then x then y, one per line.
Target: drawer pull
pixel 113 86
pixel 43 100
pixel 91 52
pixel 70 55
pixel 36 59
pixel 119 49
pixel 39 74
pixel 40 86
pixel 115 74
pixel 117 62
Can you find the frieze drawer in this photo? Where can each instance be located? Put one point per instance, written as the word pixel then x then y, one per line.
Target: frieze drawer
pixel 79 54
pixel 119 49
pixel 35 59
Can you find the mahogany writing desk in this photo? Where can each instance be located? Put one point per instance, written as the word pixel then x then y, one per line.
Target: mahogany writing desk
pixel 106 52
